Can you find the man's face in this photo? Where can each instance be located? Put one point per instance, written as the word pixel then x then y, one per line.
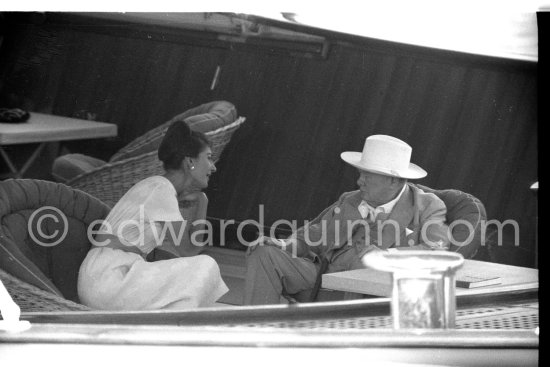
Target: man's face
pixel 376 189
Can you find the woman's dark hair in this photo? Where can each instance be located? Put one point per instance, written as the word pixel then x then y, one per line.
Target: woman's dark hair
pixel 180 142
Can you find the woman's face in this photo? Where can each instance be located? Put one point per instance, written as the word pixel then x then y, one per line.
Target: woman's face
pixel 202 167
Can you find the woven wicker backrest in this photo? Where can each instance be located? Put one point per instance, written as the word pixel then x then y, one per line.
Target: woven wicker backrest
pixel 109 182
pixel 206 117
pixel 43 232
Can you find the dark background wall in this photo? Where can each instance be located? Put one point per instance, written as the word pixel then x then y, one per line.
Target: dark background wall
pixel 471 120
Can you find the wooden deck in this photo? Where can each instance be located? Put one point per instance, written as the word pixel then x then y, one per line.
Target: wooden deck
pixel 232 267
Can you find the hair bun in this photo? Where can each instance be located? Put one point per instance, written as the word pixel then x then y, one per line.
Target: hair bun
pixel 181 126
pixel 180 141
pixel 186 129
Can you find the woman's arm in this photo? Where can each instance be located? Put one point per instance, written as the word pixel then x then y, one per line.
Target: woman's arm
pixel 195 215
pixel 186 238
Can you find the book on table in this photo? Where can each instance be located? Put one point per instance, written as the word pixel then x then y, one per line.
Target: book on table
pixel 476 280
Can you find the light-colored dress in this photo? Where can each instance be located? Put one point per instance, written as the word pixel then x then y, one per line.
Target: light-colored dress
pixel 113 279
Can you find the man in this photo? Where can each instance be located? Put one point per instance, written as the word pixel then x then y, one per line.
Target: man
pixel 386 213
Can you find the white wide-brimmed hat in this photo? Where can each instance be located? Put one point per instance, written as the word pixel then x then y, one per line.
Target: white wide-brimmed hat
pixel 385 155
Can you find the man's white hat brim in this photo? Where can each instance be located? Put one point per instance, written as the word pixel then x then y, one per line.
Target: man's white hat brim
pixel 412 172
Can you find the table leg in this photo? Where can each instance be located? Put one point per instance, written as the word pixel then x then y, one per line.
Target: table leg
pixel 28 163
pixel 8 162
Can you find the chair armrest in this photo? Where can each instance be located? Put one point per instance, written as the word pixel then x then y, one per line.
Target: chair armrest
pixel 32 299
pixel 463 208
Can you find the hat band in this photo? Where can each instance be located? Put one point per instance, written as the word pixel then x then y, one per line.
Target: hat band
pixel 382 168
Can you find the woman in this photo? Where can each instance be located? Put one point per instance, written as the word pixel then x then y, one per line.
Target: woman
pixel 115 274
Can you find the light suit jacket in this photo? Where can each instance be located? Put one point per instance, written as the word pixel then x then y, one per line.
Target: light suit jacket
pixel 417 220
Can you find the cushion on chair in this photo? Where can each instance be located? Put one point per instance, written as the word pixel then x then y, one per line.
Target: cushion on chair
pixel 462 206
pixel 206 117
pixel 220 114
pixel 30 254
pixel 69 166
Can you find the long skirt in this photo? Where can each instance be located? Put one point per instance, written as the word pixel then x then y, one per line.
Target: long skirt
pixel 111 279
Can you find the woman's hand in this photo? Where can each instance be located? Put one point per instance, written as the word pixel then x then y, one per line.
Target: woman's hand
pixel 193 211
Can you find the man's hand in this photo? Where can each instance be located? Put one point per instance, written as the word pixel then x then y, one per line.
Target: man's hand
pixel 267 241
pixel 270 241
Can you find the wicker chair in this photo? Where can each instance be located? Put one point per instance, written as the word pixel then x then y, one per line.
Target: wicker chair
pixel 38 266
pixel 199 118
pixel 33 299
pixel 138 159
pixel 109 182
pixel 460 206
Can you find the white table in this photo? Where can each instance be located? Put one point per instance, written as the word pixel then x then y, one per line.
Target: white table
pixel 377 283
pixel 42 128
